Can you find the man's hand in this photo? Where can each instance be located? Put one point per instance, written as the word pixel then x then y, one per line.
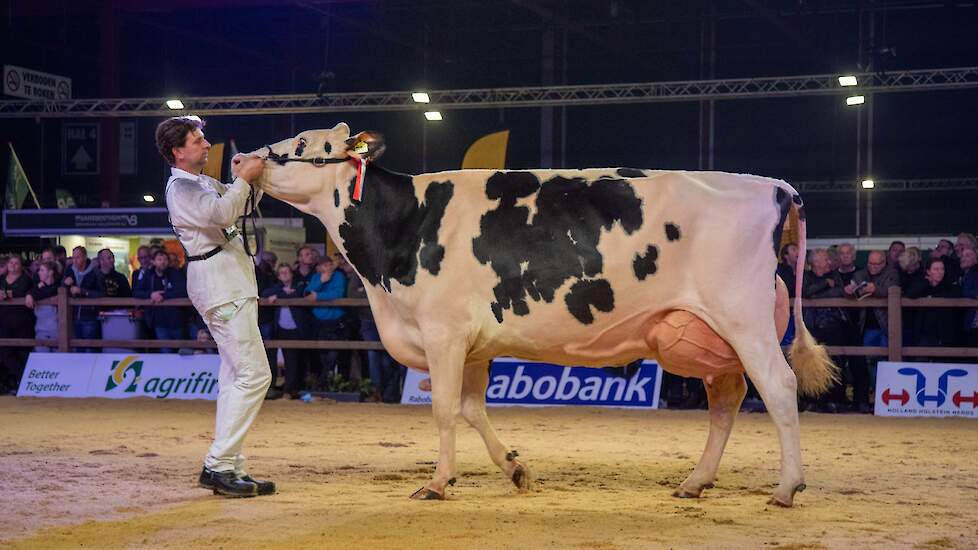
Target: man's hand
pixel 271 299
pixel 830 282
pixel 849 289
pixel 311 296
pixel 247 167
pixel 75 291
pixel 156 297
pixel 870 288
pixel 69 281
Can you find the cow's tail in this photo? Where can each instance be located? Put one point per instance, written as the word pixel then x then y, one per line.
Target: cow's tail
pixel 814 369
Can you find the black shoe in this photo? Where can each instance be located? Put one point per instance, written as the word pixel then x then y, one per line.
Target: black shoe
pixel 273 394
pixel 227 484
pixel 264 487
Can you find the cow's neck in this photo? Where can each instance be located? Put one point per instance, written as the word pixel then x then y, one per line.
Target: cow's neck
pixel 383 233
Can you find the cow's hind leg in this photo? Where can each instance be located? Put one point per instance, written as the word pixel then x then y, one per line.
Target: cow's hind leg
pixel 725 393
pixel 474 383
pixel 775 381
pixel 445 368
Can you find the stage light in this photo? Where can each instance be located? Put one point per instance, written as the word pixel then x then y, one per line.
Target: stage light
pixel 149 198
pixel 847 80
pixel 855 100
pixel 869 184
pixel 420 97
pixel 175 104
pixel 432 115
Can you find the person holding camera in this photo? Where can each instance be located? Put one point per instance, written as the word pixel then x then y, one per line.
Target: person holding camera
pixel 221 285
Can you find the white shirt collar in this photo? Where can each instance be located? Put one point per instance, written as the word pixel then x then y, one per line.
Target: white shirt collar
pixel 178 173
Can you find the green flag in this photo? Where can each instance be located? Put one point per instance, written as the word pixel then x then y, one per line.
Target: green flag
pixel 17 185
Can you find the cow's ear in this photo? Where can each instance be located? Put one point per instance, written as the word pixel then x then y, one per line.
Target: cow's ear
pixel 367 145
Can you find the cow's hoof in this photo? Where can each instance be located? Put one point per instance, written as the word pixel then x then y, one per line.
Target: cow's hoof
pixel 683 492
pixel 425 493
pixel 787 502
pixel 521 477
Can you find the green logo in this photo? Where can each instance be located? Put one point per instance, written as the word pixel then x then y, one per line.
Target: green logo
pixel 119 371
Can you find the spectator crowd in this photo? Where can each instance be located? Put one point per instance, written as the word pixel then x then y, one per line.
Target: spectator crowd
pixel 161 277
pixel 947 271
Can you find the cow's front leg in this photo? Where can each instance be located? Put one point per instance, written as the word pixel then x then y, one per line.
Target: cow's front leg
pixel 474 385
pixel 445 368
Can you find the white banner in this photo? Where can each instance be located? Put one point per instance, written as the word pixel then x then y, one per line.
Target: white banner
pixel 926 389
pixel 119 375
pixel 518 382
pixel 31 84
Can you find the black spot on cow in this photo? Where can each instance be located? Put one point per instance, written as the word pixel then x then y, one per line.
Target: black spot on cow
pixel 644 264
pixel 534 258
pixel 672 232
pixel 389 233
pixel 630 173
pixel 585 294
pixel 336 197
pixel 783 202
pixel 300 148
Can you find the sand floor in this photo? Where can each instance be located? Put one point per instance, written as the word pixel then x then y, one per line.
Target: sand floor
pixel 118 474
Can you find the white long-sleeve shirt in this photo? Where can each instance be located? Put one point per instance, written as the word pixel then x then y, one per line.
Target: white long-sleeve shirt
pixel 203 211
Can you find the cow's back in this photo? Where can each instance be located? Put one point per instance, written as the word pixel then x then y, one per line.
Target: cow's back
pixel 572 266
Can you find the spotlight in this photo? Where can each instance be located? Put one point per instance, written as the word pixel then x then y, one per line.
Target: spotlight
pixel 149 198
pixel 420 97
pixel 432 115
pixel 855 100
pixel 174 104
pixel 869 184
pixel 847 80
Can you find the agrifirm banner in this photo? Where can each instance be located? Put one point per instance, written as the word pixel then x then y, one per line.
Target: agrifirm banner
pixel 517 382
pixel 926 389
pixel 119 376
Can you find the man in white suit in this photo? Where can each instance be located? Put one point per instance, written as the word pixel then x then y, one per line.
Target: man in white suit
pixel 221 285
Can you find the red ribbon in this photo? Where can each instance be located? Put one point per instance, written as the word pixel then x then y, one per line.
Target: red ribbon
pixel 361 174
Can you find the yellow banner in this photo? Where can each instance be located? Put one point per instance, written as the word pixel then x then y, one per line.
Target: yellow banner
pixel 487 152
pixel 214 161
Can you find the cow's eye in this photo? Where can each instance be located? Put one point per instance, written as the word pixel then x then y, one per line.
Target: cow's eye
pixel 328 148
pixel 301 147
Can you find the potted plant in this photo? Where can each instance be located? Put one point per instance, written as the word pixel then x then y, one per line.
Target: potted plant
pixel 338 388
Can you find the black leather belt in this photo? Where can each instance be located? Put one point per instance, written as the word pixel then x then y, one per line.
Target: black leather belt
pixel 205 255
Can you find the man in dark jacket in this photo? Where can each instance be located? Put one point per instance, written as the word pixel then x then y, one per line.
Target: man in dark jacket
pixel 102 282
pixel 75 272
pixel 163 283
pixel 874 281
pixel 827 324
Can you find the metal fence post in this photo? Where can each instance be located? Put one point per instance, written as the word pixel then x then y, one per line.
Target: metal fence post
pixel 894 323
pixel 64 321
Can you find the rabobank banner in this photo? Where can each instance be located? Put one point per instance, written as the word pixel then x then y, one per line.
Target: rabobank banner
pixel 926 389
pixel 119 375
pixel 517 382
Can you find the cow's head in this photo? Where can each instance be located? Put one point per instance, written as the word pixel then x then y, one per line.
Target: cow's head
pixel 305 170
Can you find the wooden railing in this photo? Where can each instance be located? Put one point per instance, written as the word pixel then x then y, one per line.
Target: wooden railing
pixel 66 340
pixel 895 351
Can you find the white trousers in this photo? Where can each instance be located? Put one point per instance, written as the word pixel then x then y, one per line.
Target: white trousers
pixel 243 380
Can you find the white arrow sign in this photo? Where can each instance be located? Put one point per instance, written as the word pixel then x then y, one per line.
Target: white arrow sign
pixel 81 159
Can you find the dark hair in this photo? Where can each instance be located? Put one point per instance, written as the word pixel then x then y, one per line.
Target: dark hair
pixel 60 251
pixel 172 132
pixel 105 250
pixel 83 249
pixel 933 260
pixel 901 243
pixel 163 252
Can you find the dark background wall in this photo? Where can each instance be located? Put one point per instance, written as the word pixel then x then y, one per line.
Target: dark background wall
pixel 221 47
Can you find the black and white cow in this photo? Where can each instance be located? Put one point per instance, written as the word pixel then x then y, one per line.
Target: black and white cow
pixel 576 267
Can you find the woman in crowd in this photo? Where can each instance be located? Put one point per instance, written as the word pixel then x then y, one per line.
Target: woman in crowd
pixel 46 326
pixel 290 324
pixel 15 322
pixel 934 326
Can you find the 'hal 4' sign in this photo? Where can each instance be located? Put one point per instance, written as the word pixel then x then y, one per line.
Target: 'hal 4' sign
pixel 79 149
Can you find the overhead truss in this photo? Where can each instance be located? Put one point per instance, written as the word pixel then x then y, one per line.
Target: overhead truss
pixel 930 184
pixel 482 98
